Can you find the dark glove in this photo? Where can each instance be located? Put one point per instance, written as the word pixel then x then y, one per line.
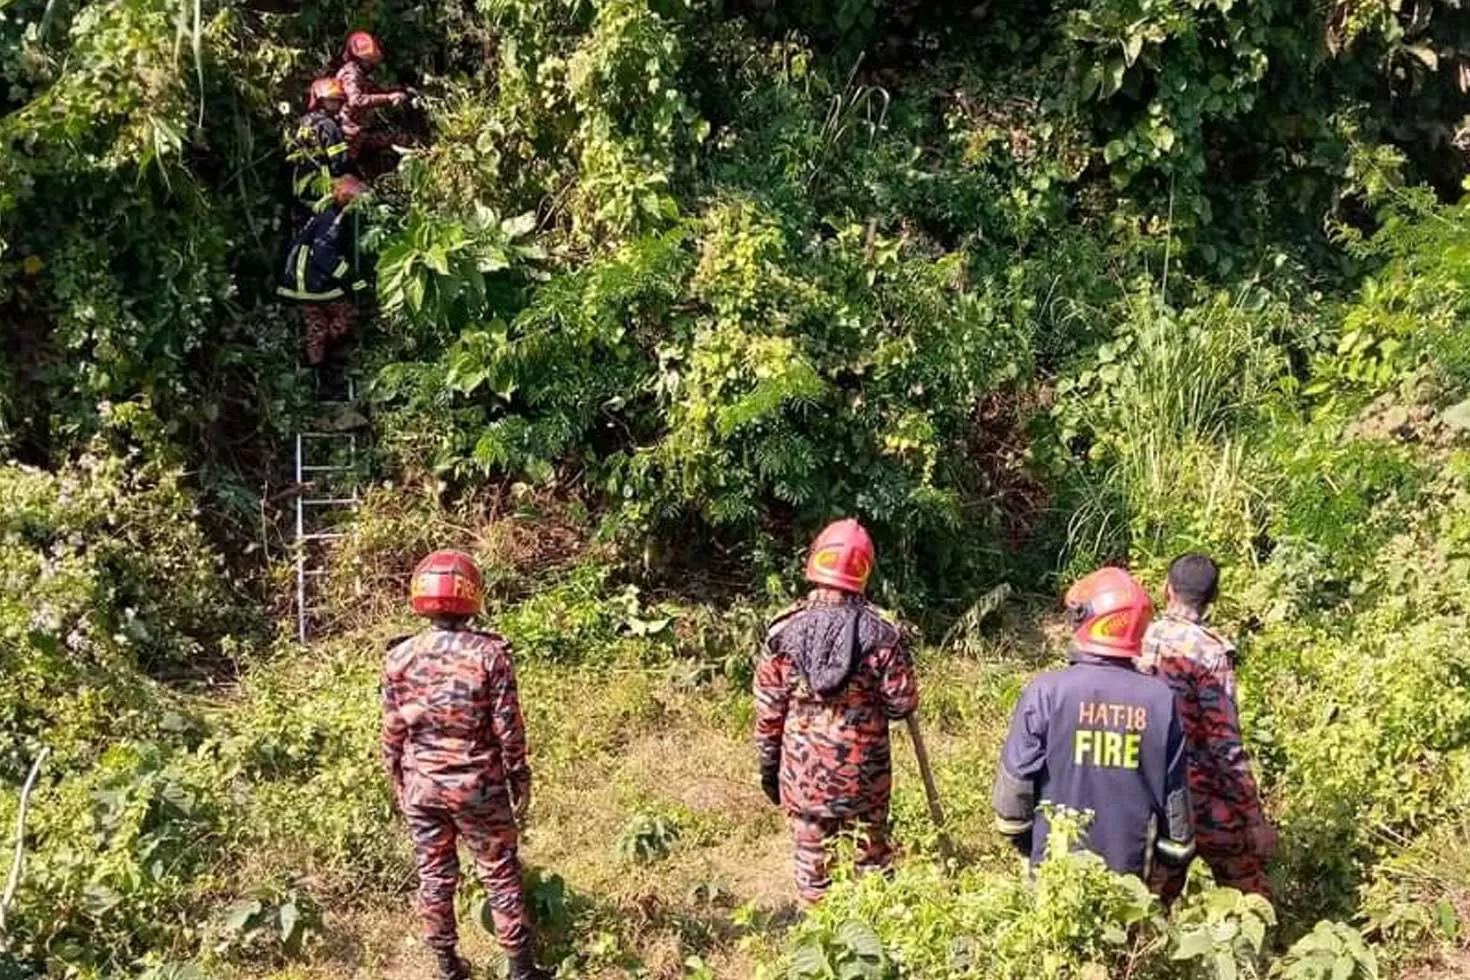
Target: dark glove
pixel 520 798
pixel 1022 843
pixel 771 783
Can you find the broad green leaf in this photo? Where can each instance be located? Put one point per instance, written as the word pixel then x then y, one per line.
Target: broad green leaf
pixel 1132 47
pixel 292 927
pixel 238 916
pixel 1192 945
pixel 1112 77
pixel 521 224
pixel 861 938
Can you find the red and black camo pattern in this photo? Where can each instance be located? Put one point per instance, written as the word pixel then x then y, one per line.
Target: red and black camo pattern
pixel 452 728
pixel 833 751
pixel 454 745
pixel 814 837
pixel 363 98
pixel 489 834
pixel 327 324
pixel 1198 665
pixel 1231 861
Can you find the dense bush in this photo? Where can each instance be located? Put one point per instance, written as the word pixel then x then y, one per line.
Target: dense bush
pixel 108 584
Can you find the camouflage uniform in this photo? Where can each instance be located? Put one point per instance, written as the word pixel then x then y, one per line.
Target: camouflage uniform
pixel 455 748
pixel 327 324
pixel 359 114
pixel 1199 665
pixel 832 676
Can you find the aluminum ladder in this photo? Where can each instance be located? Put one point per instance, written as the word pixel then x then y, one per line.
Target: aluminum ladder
pixel 327 498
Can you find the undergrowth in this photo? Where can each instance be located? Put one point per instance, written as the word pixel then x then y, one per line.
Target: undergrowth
pixel 1026 289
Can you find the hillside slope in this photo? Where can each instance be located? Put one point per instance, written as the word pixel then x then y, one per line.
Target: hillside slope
pixel 663 288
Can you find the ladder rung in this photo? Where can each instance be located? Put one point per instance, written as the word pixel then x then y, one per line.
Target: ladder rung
pixel 326 469
pixel 330 502
pixel 314 572
pixel 322 536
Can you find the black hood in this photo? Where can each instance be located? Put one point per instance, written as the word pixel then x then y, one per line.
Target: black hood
pixel 827 642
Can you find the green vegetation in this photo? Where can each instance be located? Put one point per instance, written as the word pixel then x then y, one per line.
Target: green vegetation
pixel 1027 288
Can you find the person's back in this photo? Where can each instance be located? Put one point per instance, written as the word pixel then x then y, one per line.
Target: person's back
pixel 1198 664
pixel 318 265
pixel 455 691
pixel 1108 738
pixel 454 747
pixel 1099 736
pixel 847 677
pixel 832 675
pixel 317 146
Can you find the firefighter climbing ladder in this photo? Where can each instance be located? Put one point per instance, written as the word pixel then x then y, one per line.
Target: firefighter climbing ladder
pixel 326 500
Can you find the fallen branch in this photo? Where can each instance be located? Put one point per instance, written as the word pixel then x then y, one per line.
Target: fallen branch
pixel 13 881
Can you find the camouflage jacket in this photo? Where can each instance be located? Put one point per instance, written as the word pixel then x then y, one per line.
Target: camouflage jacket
pixel 363 96
pixel 452 727
pixel 1199 665
pixel 832 675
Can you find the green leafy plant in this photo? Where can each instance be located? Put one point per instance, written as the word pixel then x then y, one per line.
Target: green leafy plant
pixel 646 838
pixel 852 951
pixel 285 921
pixel 1331 950
pixel 1224 931
pixel 435 271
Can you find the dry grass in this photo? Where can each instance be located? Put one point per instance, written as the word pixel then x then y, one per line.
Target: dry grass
pixel 610 745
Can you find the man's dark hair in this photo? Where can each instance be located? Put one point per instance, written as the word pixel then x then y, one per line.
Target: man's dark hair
pixel 1195 579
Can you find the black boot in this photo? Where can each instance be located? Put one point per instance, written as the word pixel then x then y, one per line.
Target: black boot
pixel 523 967
pixel 451 965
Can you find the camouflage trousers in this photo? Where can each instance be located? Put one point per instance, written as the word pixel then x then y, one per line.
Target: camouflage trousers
pixel 1230 859
pixel 326 324
pixel 489 834
pixel 814 837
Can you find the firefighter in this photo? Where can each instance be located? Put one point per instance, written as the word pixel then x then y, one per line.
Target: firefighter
pixel 361 55
pixel 1234 837
pixel 317 145
pixel 833 673
pixel 319 272
pixel 454 746
pixel 1098 735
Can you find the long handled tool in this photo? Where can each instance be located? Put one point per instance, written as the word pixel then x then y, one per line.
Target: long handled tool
pixel 931 792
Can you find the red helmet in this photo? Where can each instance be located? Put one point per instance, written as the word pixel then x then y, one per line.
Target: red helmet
pixel 365 48
pixel 446 583
pixel 323 89
pixel 1109 613
pixel 842 557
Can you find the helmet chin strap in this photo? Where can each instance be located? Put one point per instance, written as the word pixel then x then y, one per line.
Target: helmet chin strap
pixel 451 623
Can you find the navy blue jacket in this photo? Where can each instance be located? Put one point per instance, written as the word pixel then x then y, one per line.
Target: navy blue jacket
pixel 319 264
pixel 317 145
pixel 1097 735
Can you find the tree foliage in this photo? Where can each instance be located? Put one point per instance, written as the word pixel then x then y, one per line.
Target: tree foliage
pixel 1026 288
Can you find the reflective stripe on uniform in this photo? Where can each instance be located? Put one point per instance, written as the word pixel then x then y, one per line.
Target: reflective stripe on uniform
pixel 303 253
pixel 1176 851
pixel 308 297
pixel 340 270
pixel 1012 828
